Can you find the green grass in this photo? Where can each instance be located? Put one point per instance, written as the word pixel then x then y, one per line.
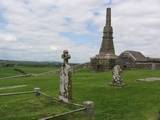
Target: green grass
pixel 135 101
pixel 36 69
pixel 4 72
pixel 9 71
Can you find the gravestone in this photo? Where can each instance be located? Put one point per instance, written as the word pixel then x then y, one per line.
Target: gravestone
pixel 153 66
pixel 116 76
pixel 65 93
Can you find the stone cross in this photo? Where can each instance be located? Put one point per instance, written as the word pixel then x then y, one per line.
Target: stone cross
pixel 65 56
pixel 65 92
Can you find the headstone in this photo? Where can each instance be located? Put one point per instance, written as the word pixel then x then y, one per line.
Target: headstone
pixel 116 76
pixel 153 66
pixel 65 93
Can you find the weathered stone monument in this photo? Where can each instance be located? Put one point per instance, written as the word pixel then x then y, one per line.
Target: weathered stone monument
pixel 65 93
pixel 116 76
pixel 106 58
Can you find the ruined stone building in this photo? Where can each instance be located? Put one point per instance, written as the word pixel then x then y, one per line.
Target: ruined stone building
pixel 134 59
pixel 106 59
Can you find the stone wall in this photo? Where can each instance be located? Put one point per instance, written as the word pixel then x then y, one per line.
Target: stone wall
pixel 137 60
pixel 102 64
pixel 149 65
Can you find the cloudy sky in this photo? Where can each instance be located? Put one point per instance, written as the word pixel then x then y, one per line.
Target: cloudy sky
pixel 39 30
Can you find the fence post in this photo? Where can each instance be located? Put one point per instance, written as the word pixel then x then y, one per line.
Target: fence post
pixel 158 115
pixel 89 105
pixel 37 91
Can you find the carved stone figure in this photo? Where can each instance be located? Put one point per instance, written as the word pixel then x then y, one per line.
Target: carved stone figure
pixel 117 80
pixel 65 93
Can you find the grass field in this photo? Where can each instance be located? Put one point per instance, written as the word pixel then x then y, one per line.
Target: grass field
pixel 135 101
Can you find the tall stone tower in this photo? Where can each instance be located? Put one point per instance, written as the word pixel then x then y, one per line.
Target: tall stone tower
pixel 106 58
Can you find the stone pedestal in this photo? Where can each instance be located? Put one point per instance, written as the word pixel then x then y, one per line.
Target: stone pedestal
pixel 103 62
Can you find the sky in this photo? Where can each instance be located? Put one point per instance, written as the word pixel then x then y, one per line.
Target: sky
pixel 39 30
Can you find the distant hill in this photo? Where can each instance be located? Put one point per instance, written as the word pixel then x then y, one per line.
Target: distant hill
pixel 12 63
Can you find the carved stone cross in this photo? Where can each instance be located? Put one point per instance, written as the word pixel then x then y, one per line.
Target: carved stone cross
pixel 65 93
pixel 65 56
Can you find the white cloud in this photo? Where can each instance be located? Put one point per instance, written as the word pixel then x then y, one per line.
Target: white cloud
pixel 32 27
pixel 6 37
